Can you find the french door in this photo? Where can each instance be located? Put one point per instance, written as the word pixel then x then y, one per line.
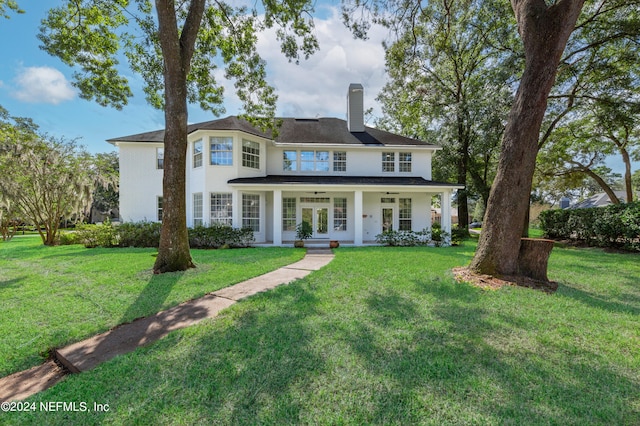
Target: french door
pixel 318 218
pixel 387 219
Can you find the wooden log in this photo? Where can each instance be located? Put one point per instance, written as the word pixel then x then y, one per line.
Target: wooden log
pixel 533 258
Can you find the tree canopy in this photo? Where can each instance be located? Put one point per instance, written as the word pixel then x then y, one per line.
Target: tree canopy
pixel 450 70
pixel 594 105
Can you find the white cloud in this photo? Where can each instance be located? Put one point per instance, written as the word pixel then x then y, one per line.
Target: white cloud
pixel 318 86
pixel 43 85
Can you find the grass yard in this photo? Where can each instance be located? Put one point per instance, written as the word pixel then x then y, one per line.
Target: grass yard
pixel 386 336
pixel 53 296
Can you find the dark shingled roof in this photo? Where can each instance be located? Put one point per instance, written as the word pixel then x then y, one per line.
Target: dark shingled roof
pixel 339 180
pixel 321 131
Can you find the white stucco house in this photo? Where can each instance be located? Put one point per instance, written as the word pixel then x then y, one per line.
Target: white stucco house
pixel 351 182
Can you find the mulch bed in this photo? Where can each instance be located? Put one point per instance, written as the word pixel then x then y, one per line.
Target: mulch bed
pixel 488 282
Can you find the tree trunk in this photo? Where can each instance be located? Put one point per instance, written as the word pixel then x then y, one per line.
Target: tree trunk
pixel 627 174
pixel 533 258
pixel 604 185
pixel 177 50
pixel 544 31
pixel 527 218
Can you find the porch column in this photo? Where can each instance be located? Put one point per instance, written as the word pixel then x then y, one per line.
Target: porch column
pixel 236 211
pixel 277 217
pixel 357 218
pixel 446 211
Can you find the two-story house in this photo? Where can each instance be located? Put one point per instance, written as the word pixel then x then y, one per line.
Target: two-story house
pixel 351 182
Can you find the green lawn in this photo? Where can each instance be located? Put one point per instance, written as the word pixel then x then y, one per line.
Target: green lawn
pixel 386 336
pixel 52 296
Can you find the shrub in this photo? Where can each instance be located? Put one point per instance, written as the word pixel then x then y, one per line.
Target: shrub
pixel 439 237
pixel 69 238
pixel 404 238
pixel 220 236
pixel 616 225
pixel 139 234
pixel 104 235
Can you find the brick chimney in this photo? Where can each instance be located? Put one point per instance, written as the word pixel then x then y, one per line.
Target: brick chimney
pixel 355 108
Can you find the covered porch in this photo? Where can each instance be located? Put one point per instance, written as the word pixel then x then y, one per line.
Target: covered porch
pixel 351 210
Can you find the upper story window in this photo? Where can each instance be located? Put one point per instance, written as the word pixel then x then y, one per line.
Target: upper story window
pixel 306 161
pixel 197 153
pixel 404 162
pixel 250 154
pixel 339 161
pixel 221 151
pixel 159 158
pixel 388 162
pixel 314 161
pixel 290 161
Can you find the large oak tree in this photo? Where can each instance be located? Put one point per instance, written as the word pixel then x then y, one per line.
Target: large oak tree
pixel 545 30
pixel 176 47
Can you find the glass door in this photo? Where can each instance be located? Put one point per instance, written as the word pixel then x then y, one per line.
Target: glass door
pixel 387 219
pixel 318 218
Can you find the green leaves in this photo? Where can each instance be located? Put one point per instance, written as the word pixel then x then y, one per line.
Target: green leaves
pixel 85 35
pixel 6 5
pixel 93 36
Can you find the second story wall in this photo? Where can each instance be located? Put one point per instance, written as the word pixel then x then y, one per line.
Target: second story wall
pixel 391 161
pixel 214 158
pixel 141 169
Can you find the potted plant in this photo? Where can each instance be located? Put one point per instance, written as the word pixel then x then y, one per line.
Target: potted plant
pixel 303 231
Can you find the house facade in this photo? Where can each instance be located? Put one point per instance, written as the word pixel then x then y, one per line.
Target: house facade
pixel 349 181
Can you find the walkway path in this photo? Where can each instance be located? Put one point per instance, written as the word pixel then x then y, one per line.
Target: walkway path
pixel 88 354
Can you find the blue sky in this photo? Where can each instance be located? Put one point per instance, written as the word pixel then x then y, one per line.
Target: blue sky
pixel 36 85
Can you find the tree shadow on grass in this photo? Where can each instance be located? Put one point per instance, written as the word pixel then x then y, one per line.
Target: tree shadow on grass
pixel 625 303
pixel 427 351
pixel 454 361
pixel 10 283
pixel 243 368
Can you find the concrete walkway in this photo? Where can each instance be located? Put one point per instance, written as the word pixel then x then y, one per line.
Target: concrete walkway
pixel 88 354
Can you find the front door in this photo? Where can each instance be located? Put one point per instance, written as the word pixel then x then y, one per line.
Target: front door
pixel 318 217
pixel 387 219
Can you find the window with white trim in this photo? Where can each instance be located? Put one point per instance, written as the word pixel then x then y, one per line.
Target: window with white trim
pixel 339 161
pixel 221 208
pixel 388 162
pixel 197 209
pixel 339 214
pixel 197 153
pixel 251 211
pixel 159 158
pixel 288 214
pixel 290 161
pixel 314 161
pixel 404 159
pixel 160 207
pixel 404 214
pixel 250 154
pixel 221 151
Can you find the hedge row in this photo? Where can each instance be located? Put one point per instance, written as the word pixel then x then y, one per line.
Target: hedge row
pixel 147 234
pixel 436 237
pixel 616 225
